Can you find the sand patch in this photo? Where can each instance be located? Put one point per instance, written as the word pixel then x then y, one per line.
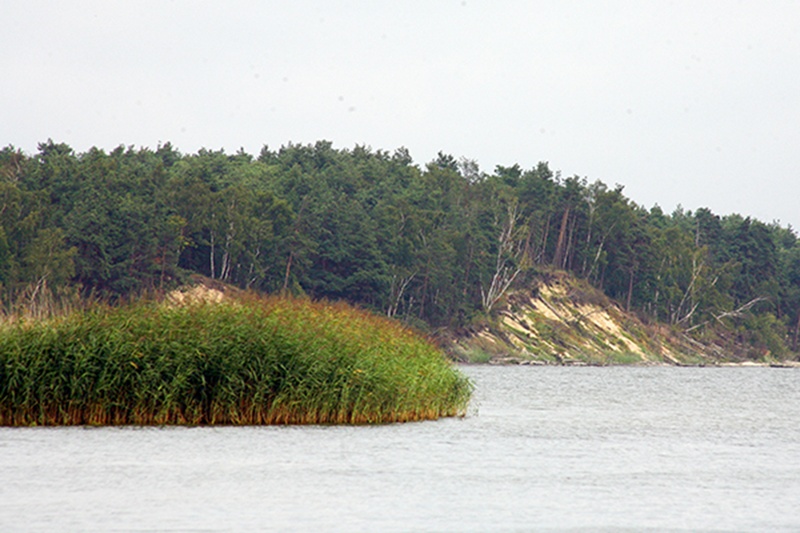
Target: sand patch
pixel 197 294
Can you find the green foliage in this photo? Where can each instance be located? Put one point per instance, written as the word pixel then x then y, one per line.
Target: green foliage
pixel 764 334
pixel 254 361
pixel 433 245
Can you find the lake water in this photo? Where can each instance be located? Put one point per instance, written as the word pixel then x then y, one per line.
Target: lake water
pixel 542 449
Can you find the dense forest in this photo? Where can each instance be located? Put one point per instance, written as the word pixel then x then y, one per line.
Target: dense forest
pixel 435 246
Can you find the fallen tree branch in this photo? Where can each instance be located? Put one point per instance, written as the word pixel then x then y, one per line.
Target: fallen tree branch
pixel 736 313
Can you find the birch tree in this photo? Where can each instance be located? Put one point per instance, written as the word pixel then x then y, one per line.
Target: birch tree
pixel 508 260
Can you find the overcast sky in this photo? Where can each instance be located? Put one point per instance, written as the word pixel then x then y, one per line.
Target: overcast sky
pixel 694 103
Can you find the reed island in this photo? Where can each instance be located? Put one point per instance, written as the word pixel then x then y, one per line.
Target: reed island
pixel 253 360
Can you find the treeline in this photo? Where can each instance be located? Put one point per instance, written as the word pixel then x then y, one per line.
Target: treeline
pixel 436 246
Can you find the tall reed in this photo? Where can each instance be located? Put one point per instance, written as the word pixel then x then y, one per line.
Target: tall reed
pixel 251 361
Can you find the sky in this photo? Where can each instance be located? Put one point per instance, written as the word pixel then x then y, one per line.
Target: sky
pixel 690 103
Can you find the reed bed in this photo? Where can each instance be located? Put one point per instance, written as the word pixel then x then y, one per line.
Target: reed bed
pixel 251 361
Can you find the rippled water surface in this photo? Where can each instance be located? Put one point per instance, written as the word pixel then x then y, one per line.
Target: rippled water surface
pixel 543 448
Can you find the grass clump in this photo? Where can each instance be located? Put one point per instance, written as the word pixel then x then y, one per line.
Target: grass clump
pixel 250 361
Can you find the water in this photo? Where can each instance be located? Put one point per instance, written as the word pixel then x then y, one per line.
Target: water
pixel 542 449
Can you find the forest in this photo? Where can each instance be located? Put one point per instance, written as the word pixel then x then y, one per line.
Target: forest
pixel 436 246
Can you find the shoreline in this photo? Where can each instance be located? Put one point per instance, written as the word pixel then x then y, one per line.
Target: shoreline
pixel 722 364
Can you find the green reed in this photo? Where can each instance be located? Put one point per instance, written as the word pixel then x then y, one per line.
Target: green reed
pixel 250 361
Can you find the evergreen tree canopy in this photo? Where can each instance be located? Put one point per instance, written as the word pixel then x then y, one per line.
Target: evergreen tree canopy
pixel 436 245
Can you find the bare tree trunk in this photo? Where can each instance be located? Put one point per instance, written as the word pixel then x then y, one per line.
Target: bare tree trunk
pixel 251 277
pixel 288 272
pixel 736 313
pixel 226 257
pixel 569 255
pixel 213 267
pixel 588 237
pixel 399 286
pixel 690 292
pixel 504 274
pixel 630 292
pixel 543 249
pixel 558 258
pixel 596 258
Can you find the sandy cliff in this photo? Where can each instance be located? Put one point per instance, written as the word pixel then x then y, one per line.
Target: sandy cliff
pixel 563 320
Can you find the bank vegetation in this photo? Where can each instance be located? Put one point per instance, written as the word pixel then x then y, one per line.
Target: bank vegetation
pixel 249 360
pixel 438 246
